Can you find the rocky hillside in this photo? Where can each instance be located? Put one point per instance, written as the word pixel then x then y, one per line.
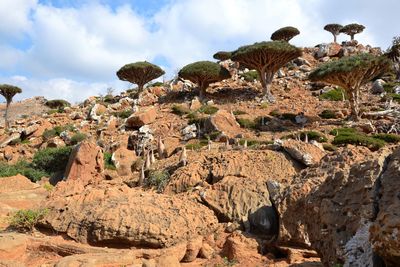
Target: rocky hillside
pixel 164 179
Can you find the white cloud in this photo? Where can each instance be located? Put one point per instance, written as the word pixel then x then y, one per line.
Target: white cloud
pixel 76 51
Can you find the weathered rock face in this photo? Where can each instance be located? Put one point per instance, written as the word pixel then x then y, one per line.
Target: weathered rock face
pixel 305 153
pixel 330 206
pixel 108 214
pixel 8 139
pixel 385 231
pixel 243 200
pixel 141 118
pixel 86 163
pixel 213 167
pixel 96 112
pixel 224 122
pixel 123 159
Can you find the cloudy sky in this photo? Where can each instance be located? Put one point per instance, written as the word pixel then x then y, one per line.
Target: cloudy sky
pixel 71 49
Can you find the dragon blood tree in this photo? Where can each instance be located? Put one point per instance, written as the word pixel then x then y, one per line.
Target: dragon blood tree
pixel 266 58
pixel 139 73
pixel 334 29
pixel 351 73
pixel 203 73
pixel 8 91
pixel 352 29
pixel 222 55
pixel 393 53
pixel 285 34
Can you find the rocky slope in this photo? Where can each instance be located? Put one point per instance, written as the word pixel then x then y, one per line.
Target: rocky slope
pixel 164 180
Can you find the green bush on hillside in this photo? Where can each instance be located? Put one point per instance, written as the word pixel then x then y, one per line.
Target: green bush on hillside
pixel 25 220
pixel 334 95
pixel 77 138
pixel 158 179
pixel 206 109
pixel 24 168
pixel 52 160
pixel 344 136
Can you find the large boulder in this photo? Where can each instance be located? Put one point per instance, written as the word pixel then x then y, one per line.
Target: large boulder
pixel 330 206
pixel 306 153
pixel 107 214
pixel 86 163
pixel 141 118
pixel 123 159
pixel 224 122
pixel 385 231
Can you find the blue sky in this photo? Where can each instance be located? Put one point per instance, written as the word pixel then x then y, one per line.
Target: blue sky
pixel 71 49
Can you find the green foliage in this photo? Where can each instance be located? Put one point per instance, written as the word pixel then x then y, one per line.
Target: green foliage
pixel 388 138
pixel 389 87
pixel 329 147
pixel 77 138
pixel 264 105
pixel 246 123
pixel 123 114
pixel 57 130
pixel 203 73
pixel 9 91
pixel 250 76
pixel 158 179
pixel 24 168
pixel 206 109
pixel 395 97
pixel 155 84
pixel 139 73
pixel 108 163
pixel 52 160
pixel 48 187
pixel 334 95
pixel 352 29
pixel 194 118
pixel 222 55
pixel 212 135
pixel 352 136
pixel 283 116
pixel 239 112
pixel 252 143
pixel 312 135
pixel 180 110
pixel 57 104
pixel 285 34
pixel 328 114
pixel 25 220
pixel 333 28
pixel 197 146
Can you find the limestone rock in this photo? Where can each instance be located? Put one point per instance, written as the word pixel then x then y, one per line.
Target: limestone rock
pixel 105 214
pixel 305 153
pixel 123 159
pixel 8 139
pixel 141 118
pixel 377 87
pixel 97 111
pixel 224 122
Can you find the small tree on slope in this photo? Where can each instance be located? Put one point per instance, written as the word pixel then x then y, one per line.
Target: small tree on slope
pixel 352 29
pixel 285 34
pixel 203 73
pixel 393 54
pixel 8 91
pixel 139 73
pixel 334 29
pixel 267 58
pixel 351 73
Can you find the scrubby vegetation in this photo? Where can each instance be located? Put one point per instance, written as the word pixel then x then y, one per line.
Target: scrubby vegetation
pixel 24 168
pixel 344 136
pixel 77 138
pixel 328 114
pixel 52 160
pixel 26 220
pixel 207 109
pixel 158 179
pixel 250 76
pixel 337 94
pixel 123 114
pixel 108 163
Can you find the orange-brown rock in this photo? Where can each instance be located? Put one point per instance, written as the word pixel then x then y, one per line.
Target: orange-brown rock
pixel 143 117
pixel 123 159
pixel 224 122
pixel 305 153
pixel 86 163
pixel 107 214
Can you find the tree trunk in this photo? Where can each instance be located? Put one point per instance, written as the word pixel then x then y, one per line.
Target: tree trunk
pixel 352 37
pixel 140 88
pixel 202 90
pixel 6 124
pixel 266 79
pixel 334 38
pixel 354 104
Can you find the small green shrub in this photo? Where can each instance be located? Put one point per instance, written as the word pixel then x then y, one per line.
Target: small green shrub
pixel 57 130
pixel 52 160
pixel 343 131
pixel 311 135
pixel 329 147
pixel 264 105
pixel 395 97
pixel 288 117
pixel 25 220
pixel 194 118
pixel 238 112
pixel 352 136
pixel 155 84
pixel 389 87
pixel 206 109
pixel 250 76
pixel 275 113
pixel 158 179
pixel 123 114
pixel 212 135
pixel 108 163
pixel 24 168
pixel 197 146
pixel 254 143
pixel 180 110
pixel 328 114
pixel 77 138
pixel 48 187
pixel 246 123
pixel 57 104
pixel 53 111
pixel 388 138
pixel 334 95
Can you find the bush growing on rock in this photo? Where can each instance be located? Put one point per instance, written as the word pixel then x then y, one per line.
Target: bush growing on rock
pixel 203 73
pixel 108 163
pixel 337 94
pixel 267 58
pixel 57 104
pixel 8 91
pixel 139 73
pixel 334 29
pixel 328 114
pixel 351 73
pixel 77 138
pixel 25 220
pixel 285 34
pixel 208 109
pixel 52 160
pixel 180 110
pixel 123 114
pixel 158 179
pixel 24 168
pixel 222 55
pixel 352 29
pixel 250 76
pixel 344 136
